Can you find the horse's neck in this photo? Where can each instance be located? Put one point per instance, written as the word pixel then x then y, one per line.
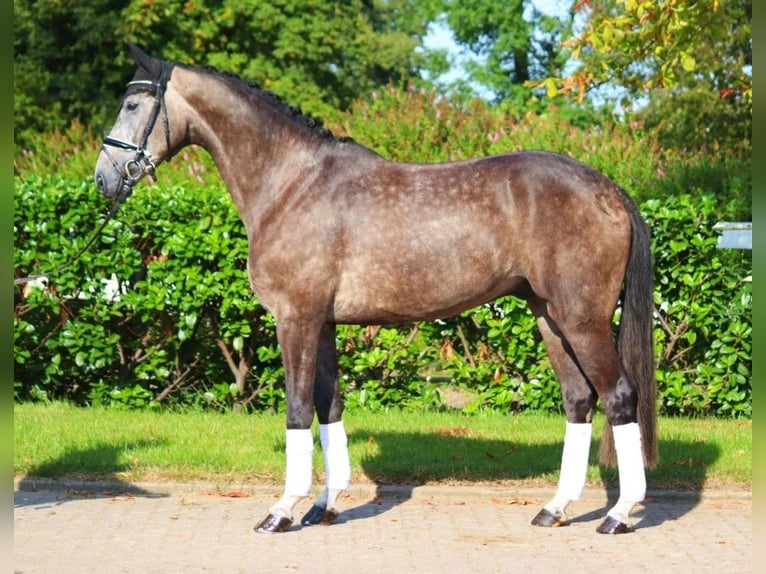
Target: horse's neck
pixel 251 146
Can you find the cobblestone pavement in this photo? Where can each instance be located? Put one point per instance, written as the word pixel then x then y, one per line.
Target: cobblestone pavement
pixel 108 528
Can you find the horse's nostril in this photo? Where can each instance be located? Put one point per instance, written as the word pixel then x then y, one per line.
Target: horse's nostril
pixel 100 182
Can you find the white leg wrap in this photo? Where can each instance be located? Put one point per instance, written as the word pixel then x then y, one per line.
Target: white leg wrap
pixel 630 465
pixel 328 498
pixel 335 450
pixel 299 449
pixel 574 466
pixel 285 505
pixel 323 497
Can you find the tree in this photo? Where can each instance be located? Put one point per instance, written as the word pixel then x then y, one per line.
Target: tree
pixel 71 61
pixel 315 53
pixel 513 40
pixel 691 59
pixel 63 62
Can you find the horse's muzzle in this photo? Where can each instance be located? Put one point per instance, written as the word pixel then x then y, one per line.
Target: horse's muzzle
pixel 101 184
pixel 118 190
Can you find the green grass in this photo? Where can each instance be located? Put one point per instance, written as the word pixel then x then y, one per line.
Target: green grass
pixel 61 441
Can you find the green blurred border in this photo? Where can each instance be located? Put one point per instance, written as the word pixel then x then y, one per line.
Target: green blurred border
pixel 759 260
pixel 6 290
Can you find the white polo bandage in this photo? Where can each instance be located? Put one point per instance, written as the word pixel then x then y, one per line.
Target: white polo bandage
pixel 574 461
pixel 335 450
pixel 299 449
pixel 630 462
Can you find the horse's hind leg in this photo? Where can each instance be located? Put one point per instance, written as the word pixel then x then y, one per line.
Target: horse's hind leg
pixel 332 435
pixel 594 347
pixel 579 402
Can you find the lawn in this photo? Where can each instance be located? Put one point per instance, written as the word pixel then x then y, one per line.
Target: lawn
pixel 412 447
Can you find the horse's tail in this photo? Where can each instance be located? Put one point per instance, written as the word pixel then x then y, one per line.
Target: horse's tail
pixel 635 341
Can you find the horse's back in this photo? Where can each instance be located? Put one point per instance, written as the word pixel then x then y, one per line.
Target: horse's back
pixel 510 203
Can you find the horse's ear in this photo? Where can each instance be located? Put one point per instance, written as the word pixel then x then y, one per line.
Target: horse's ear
pixel 151 65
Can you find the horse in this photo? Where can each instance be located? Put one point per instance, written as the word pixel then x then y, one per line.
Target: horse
pixel 337 234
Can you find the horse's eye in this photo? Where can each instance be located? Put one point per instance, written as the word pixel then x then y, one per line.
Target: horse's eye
pixel 131 106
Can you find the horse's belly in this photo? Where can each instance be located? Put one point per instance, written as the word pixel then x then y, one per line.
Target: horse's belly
pixel 416 295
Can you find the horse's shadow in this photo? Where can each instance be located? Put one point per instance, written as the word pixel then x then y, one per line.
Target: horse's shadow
pixel 402 461
pixel 47 485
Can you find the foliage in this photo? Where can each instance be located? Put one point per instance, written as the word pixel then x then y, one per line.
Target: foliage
pixel 513 42
pixel 703 303
pixel 63 62
pixel 381 367
pixel 147 316
pixel 692 59
pixel 690 62
pixel 182 328
pixel 322 54
pixel 71 62
pixel 642 44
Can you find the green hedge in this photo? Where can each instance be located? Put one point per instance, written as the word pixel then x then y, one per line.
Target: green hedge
pixel 184 330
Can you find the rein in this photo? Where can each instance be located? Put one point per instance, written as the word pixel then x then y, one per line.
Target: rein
pixel 132 170
pixel 76 256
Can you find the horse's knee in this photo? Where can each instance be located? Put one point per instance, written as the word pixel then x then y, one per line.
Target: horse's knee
pixel 299 416
pixel 621 403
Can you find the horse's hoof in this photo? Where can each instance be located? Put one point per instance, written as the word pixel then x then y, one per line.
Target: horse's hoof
pixel 273 523
pixel 549 519
pixel 613 526
pixel 319 515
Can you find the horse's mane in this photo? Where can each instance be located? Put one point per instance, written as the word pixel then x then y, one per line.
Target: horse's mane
pixel 291 112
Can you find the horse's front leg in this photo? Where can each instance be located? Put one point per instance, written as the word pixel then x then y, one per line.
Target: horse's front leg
pixel 332 435
pixel 299 341
pixel 338 471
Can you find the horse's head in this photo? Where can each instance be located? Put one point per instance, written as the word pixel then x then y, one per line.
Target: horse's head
pixel 141 137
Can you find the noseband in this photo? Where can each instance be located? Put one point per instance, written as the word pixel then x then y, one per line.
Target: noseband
pixel 141 164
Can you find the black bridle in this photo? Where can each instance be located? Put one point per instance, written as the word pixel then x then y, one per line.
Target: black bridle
pixel 142 164
pixel 133 169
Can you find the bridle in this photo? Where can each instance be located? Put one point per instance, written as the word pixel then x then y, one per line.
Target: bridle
pixel 142 164
pixel 133 169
